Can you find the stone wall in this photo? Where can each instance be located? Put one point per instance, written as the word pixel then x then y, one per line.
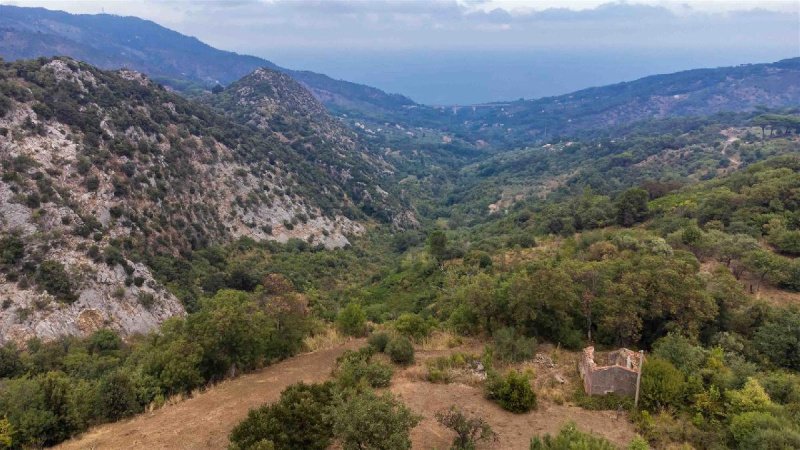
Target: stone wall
pixel 618 377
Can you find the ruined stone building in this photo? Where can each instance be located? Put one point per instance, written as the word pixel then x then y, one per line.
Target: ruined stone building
pixel 617 376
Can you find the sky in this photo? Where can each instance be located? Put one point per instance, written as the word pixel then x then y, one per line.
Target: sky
pixel 469 51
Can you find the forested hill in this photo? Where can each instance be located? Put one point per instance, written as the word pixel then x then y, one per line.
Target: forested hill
pixel 177 60
pixel 103 173
pixel 272 101
pixel 697 92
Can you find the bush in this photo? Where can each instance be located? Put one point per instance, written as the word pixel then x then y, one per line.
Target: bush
pixel 117 396
pixel 511 346
pixel 570 438
pixel 745 426
pixel 368 421
pixel 400 350
pixel 52 276
pixel 440 368
pixel 12 249
pixel 354 367
pixel 300 419
pixel 378 341
pixel 413 326
pixel 513 393
pixel 352 320
pixel 469 430
pixel 662 384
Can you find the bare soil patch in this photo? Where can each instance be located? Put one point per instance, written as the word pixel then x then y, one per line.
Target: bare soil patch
pixel 514 430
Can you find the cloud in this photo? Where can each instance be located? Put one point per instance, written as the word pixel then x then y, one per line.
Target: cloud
pixel 261 26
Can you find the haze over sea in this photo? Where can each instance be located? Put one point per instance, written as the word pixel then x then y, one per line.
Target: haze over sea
pixel 463 77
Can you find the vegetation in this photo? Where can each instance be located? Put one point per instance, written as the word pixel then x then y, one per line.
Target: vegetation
pixel 55 390
pixel 469 430
pixel 666 235
pixel 513 391
pixel 400 350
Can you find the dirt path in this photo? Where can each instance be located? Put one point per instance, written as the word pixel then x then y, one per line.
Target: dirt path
pixel 204 421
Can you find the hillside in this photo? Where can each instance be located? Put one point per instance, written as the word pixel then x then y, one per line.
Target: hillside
pixel 177 60
pixel 272 101
pixel 105 171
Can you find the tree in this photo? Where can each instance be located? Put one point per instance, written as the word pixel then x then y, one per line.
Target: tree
pixel 662 384
pixel 234 333
pixel 301 418
pixel 631 207
pixel 117 396
pixel 469 430
pixel 764 264
pixel 368 421
pixel 779 339
pixel 437 245
pixel 352 320
pixel 6 434
pixel 400 350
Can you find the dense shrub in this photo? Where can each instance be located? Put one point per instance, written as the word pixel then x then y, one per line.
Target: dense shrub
pixel 369 421
pixel 400 350
pixel 301 418
pixel 379 340
pixel 53 278
pixel 355 367
pixel 570 438
pixel 512 392
pixel 511 346
pixel 352 320
pixel 413 326
pixel 662 384
pixel 12 249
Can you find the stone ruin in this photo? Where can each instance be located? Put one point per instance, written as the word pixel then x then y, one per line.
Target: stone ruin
pixel 618 376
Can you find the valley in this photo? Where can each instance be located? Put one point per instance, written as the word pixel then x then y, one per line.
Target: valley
pixel 201 249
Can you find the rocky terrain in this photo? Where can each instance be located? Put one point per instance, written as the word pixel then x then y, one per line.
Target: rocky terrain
pixel 103 171
pixel 274 102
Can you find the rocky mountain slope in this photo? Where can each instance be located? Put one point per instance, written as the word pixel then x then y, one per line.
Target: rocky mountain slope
pixel 180 61
pixel 273 102
pixel 104 170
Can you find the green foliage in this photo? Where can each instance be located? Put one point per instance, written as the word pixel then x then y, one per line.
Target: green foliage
pixel 469 430
pixel 681 352
pixel 779 339
pixel 437 245
pixel 379 341
pixel 413 326
pixel 631 207
pixel 65 386
pixel 6 434
pixel 53 278
pixel 355 367
pixel 301 418
pixel 367 420
pixel 512 392
pixel 352 320
pixel 12 249
pixel 400 350
pixel 511 346
pixel 662 384
pixel 570 438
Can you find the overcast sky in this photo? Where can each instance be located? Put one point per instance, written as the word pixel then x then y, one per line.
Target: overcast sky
pixel 378 41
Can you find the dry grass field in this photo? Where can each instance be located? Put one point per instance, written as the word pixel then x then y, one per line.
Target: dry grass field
pixel 204 421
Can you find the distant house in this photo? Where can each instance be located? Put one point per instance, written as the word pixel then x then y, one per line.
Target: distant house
pixel 617 376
